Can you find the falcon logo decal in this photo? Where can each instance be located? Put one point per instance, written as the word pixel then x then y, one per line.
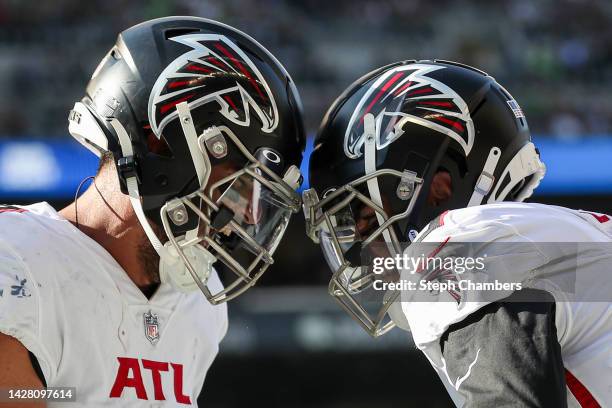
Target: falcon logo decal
pixel 215 70
pixel 406 94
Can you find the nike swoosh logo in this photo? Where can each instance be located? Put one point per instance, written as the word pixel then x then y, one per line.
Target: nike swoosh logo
pixel 469 371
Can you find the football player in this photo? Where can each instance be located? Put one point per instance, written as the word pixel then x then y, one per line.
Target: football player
pixel 121 294
pixel 432 159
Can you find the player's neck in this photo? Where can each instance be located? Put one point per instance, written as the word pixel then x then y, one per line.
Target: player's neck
pixel 108 218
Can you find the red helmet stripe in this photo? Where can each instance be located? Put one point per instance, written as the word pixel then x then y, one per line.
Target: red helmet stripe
pixel 231 102
pixel 217 62
pixel 435 103
pixel 406 85
pixel 194 67
pixel 420 91
pixel 240 67
pixel 381 92
pixel 176 84
pixel 458 126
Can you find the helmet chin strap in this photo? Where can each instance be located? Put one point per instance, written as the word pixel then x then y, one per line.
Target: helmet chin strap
pixel 132 187
pixel 172 268
pixel 369 127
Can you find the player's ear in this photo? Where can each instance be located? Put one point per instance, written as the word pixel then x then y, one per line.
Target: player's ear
pixel 441 188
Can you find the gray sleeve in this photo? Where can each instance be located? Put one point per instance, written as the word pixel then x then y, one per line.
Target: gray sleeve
pixel 507 354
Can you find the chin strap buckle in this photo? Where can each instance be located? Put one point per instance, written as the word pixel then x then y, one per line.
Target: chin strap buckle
pixel 486 180
pixel 405 188
pixel 484 183
pixel 128 168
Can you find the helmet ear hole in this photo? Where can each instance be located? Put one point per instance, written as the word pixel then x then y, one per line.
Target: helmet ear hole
pixel 441 189
pixel 115 54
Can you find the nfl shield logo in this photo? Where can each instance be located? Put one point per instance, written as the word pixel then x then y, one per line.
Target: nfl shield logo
pixel 151 326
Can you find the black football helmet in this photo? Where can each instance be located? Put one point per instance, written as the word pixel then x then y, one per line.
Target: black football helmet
pixel 205 126
pixel 378 148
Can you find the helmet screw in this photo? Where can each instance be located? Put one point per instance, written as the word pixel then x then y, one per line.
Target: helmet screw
pixel 218 148
pixel 406 186
pixel 404 191
pixel 178 216
pixel 186 119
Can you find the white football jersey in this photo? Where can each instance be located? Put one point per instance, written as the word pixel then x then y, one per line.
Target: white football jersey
pixel 583 318
pixel 90 327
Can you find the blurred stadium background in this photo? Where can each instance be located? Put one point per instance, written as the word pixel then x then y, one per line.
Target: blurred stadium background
pixel 288 344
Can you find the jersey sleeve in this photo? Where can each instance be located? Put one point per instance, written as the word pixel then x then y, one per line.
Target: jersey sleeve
pixel 460 262
pixel 19 306
pixel 477 246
